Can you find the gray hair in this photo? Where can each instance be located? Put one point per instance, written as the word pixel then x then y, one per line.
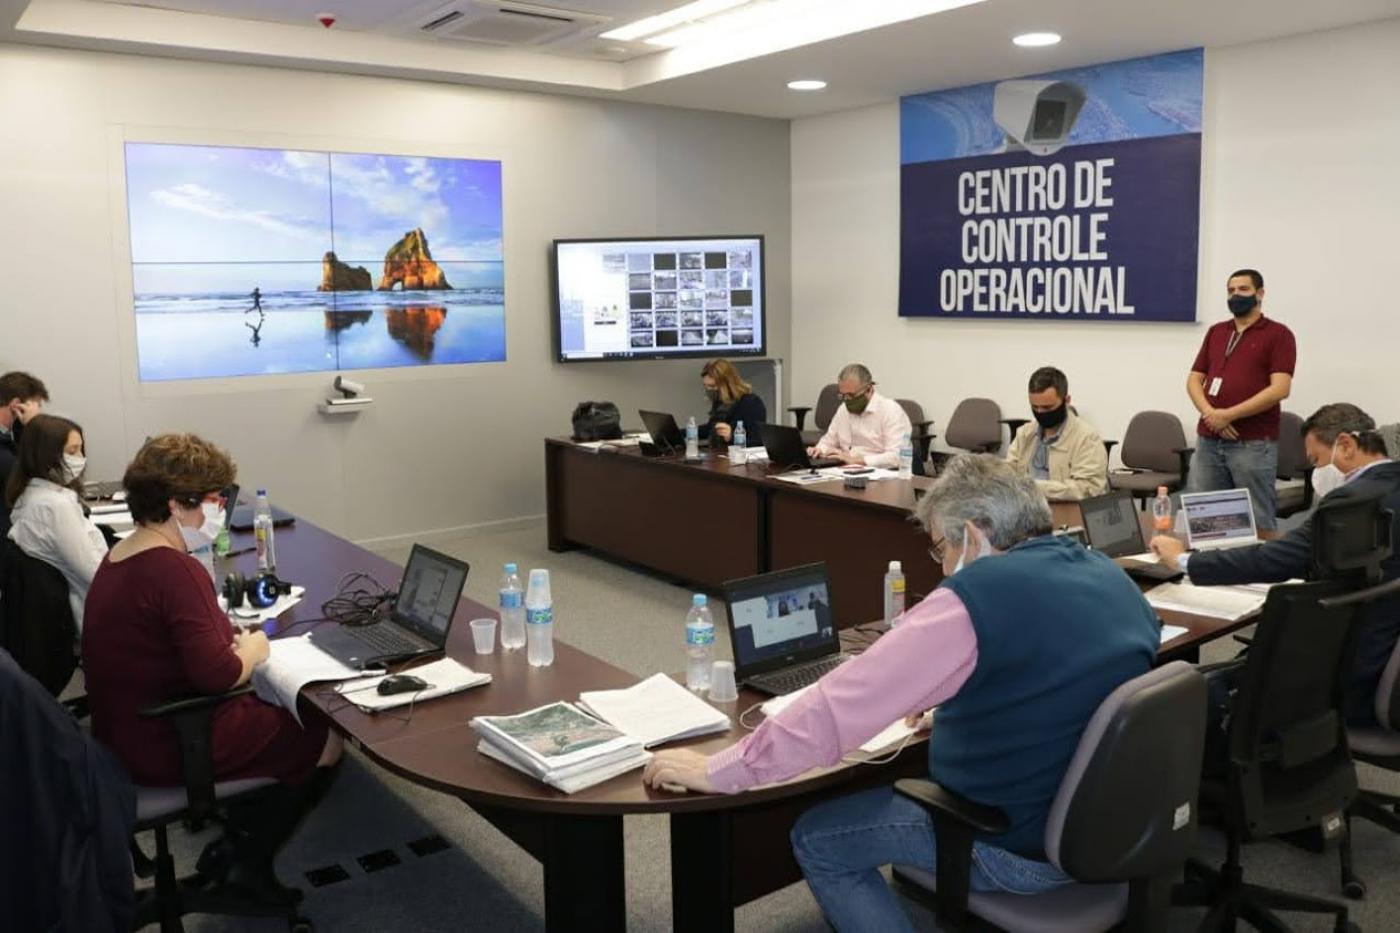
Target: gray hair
pixel 1003 502
pixel 855 371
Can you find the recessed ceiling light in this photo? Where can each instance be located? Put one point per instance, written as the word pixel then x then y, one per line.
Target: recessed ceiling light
pixel 699 9
pixel 806 85
pixel 1031 40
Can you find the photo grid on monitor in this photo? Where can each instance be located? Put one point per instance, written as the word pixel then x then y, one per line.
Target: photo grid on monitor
pixel 680 297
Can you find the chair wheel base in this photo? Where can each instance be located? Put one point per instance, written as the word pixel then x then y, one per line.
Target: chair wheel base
pixel 1355 889
pixel 302 925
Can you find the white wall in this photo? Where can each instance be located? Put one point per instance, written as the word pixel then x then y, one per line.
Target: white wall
pixel 442 446
pixel 1300 148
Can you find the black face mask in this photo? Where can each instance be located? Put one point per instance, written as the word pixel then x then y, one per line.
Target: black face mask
pixel 712 395
pixel 1240 305
pixel 1050 420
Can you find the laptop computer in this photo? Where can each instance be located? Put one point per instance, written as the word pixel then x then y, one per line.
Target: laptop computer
pixel 786 451
pixel 1112 526
pixel 240 517
pixel 418 624
pixel 782 629
pixel 666 435
pixel 1219 519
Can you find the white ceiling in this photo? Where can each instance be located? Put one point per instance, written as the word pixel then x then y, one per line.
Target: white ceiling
pixel 961 46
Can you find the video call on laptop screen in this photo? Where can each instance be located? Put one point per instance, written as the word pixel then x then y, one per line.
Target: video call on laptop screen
pixel 429 593
pixel 1219 516
pixel 782 622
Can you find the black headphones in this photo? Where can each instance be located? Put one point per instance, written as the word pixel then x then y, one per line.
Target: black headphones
pixel 261 591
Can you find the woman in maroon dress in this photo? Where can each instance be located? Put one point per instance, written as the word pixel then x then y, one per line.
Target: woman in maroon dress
pixel 153 632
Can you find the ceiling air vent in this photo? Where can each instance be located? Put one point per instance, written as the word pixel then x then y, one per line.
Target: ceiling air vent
pixel 506 23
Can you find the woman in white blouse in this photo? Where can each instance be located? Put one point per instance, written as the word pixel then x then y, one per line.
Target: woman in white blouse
pixel 47 520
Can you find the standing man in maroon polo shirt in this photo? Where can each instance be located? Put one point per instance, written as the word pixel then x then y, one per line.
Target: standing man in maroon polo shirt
pixel 1242 373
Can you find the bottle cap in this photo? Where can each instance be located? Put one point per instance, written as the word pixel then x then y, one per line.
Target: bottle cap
pixel 739 426
pixel 511 568
pixel 262 492
pixel 539 576
pixel 1161 490
pixel 699 599
pixel 896 565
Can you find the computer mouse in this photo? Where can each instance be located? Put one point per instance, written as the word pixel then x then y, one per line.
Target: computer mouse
pixel 401 683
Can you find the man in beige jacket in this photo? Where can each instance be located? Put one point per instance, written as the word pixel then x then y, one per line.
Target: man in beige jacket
pixel 1063 454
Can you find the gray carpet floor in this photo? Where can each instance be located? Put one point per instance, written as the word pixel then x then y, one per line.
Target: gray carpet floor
pixel 477 879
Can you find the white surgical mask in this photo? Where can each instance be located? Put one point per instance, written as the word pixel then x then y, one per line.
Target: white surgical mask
pixel 984 549
pixel 204 535
pixel 73 466
pixel 1325 479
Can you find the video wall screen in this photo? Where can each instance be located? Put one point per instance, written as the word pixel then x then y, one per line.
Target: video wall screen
pixel 258 261
pixel 652 299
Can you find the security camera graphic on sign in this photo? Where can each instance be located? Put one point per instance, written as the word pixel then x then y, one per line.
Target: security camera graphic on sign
pixel 1037 116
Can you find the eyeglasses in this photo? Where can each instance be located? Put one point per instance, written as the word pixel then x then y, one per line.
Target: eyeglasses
pixel 939 546
pixel 844 397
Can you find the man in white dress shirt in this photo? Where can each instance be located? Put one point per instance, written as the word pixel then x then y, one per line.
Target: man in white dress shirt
pixel 868 428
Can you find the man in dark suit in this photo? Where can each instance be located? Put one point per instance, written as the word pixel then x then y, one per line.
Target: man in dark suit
pixel 1343 436
pixel 21 397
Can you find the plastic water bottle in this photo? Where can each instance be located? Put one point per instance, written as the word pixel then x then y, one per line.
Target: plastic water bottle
pixel 906 457
pixel 1162 512
pixel 699 644
pixel 739 449
pixel 692 440
pixel 263 534
pixel 894 592
pixel 539 620
pixel 512 609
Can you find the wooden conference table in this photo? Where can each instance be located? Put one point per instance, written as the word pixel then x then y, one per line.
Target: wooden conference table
pixel 725 850
pixel 708 522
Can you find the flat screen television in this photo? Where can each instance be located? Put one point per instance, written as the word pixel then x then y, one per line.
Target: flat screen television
pixel 650 299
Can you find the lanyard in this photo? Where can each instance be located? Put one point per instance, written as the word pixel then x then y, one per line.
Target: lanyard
pixel 1234 341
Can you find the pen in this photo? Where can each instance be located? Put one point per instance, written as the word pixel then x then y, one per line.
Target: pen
pixel 242 550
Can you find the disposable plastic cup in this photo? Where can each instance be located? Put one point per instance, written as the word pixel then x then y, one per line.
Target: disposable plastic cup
pixel 484 635
pixel 722 686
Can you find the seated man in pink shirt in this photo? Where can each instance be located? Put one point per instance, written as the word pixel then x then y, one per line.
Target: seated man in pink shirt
pixel 1027 635
pixel 868 428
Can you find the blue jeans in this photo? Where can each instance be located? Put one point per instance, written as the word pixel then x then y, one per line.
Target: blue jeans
pixel 841 846
pixel 1252 465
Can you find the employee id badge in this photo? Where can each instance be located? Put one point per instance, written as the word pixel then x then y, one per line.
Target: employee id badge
pixel 1215 386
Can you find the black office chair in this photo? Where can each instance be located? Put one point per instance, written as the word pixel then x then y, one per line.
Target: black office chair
pixel 36 620
pixel 1378 746
pixel 827 403
pixel 1121 837
pixel 199 801
pixel 1291 495
pixel 1288 768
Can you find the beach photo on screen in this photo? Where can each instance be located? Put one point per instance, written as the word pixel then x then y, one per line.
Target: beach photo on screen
pixel 260 261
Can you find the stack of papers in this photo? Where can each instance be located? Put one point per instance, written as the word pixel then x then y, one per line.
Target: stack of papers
pixel 442 677
pixel 560 745
pixel 293 663
pixel 896 731
pixel 654 711
pixel 1217 602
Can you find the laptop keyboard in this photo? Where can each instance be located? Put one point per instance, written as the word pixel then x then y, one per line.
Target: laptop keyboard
pixel 388 640
pixel 795 678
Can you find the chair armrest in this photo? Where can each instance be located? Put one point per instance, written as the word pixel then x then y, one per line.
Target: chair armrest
pixel 1108 448
pixel 1183 456
pixel 922 438
pixel 192 719
pixel 1307 488
pixel 956 822
pixel 1014 424
pixel 799 414
pixel 936 799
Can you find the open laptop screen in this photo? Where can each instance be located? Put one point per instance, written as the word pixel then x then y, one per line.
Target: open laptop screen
pixel 432 585
pixel 777 619
pixel 1111 524
pixel 1217 518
